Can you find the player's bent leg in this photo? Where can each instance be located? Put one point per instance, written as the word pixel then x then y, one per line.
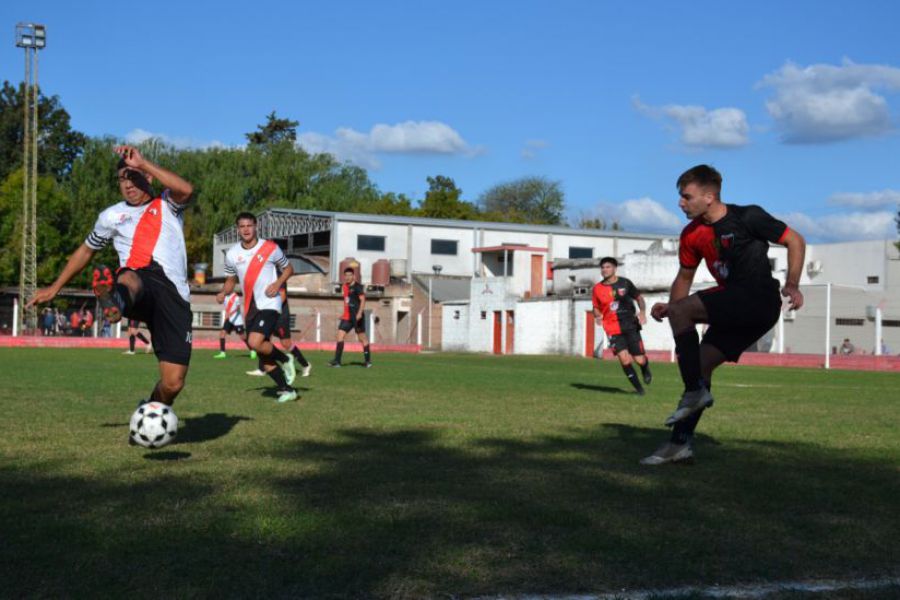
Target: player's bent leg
pixel 710 359
pixel 171 382
pixel 687 312
pixel 626 361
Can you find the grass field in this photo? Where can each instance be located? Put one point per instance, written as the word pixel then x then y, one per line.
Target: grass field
pixel 438 475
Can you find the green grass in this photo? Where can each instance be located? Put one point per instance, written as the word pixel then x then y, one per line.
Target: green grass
pixel 437 475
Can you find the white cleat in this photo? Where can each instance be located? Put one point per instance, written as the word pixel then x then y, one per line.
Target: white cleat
pixel 304 371
pixel 290 371
pixel 129 352
pixel 287 396
pixel 669 453
pixel 690 403
pixel 257 373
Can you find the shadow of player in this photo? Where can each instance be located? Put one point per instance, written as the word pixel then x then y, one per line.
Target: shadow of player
pixel 600 388
pixel 208 427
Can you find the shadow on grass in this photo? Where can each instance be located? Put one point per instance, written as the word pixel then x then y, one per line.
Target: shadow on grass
pixel 165 455
pixel 410 513
pixel 602 388
pixel 208 427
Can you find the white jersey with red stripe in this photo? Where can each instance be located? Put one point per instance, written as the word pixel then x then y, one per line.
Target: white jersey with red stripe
pixel 237 262
pixel 163 244
pixel 233 309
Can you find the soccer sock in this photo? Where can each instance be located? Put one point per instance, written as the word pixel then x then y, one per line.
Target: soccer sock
pixel 338 351
pixel 278 355
pixel 367 353
pixel 299 356
pixel 122 296
pixel 222 344
pixel 143 338
pixel 131 343
pixel 687 348
pixel 632 377
pixel 277 376
pixel 645 368
pixel 259 363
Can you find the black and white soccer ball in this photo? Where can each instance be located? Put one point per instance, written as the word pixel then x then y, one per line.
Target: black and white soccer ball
pixel 153 425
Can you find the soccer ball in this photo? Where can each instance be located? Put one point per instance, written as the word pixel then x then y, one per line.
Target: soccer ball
pixel 153 425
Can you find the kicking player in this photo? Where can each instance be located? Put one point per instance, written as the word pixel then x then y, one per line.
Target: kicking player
pixel 283 333
pixel 253 263
pixel 134 334
pixel 234 322
pixel 614 299
pixel 352 318
pixel 734 242
pixel 151 284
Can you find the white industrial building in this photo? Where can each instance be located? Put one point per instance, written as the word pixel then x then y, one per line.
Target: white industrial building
pixel 529 286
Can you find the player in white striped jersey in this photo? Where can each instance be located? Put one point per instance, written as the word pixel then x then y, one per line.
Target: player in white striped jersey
pixel 234 322
pixel 255 264
pixel 151 282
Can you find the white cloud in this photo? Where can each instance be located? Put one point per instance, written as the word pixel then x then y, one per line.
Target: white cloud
pixel 866 201
pixel 641 214
pixel 532 148
pixel 844 227
pixel 827 103
pixel 409 137
pixel 138 136
pixel 702 128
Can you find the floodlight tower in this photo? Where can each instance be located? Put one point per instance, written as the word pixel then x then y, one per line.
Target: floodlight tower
pixel 31 37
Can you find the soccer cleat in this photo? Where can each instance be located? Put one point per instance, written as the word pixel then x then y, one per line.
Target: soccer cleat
pixel 287 396
pixel 257 373
pixel 129 352
pixel 148 349
pixel 253 355
pixel 648 377
pixel 669 453
pixel 334 363
pixel 220 355
pixel 368 364
pixel 690 403
pixel 304 371
pixel 104 290
pixel 640 392
pixel 290 371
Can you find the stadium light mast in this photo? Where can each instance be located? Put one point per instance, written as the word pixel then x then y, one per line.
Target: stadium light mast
pixel 31 37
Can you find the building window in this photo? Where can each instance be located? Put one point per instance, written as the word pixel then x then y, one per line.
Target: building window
pixel 872 279
pixel 890 323
pixel 456 314
pixel 448 247
pixel 578 252
pixel 852 322
pixel 207 319
pixel 483 315
pixel 374 243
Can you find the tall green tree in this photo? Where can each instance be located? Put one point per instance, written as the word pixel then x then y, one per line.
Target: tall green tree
pixel 58 143
pixel 528 200
pixel 443 201
pixel 275 130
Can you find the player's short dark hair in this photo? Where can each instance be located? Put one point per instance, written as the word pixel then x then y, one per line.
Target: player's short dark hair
pixel 245 216
pixel 121 164
pixel 350 270
pixel 702 175
pixel 610 260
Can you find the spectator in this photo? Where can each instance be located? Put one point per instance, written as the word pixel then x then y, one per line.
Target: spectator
pixel 61 322
pixel 847 348
pixel 87 322
pixel 75 322
pixel 106 329
pixel 47 321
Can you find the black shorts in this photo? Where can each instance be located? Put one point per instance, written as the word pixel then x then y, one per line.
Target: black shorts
pixel 739 316
pixel 262 321
pixel 347 325
pixel 167 315
pixel 629 339
pixel 228 327
pixel 283 326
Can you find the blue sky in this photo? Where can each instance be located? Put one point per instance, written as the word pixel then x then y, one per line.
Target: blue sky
pixel 797 103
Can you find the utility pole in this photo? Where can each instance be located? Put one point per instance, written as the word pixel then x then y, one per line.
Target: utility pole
pixel 31 37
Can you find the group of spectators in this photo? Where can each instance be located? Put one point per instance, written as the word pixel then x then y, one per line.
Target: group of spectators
pixel 79 322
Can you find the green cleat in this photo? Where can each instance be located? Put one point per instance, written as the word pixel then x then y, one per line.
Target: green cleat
pixel 287 396
pixel 220 355
pixel 253 355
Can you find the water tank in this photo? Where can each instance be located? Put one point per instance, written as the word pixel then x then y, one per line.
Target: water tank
pixel 350 263
pixel 381 272
pixel 398 268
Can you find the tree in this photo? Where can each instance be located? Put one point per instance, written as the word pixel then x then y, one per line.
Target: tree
pixel 588 221
pixel 275 131
pixel 58 143
pixel 528 200
pixel 442 201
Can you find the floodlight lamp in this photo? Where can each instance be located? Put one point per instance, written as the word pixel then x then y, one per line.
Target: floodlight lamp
pixel 437 269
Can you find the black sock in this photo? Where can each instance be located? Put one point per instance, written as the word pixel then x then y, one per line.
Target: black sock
pixel 338 352
pixel 645 368
pixel 259 363
pixel 131 343
pixel 141 337
pixel 222 344
pixel 279 356
pixel 687 347
pixel 683 431
pixel 367 353
pixel 632 377
pixel 299 356
pixel 277 376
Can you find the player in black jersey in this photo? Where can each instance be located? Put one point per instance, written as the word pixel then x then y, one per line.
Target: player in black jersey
pixel 352 318
pixel 734 242
pixel 613 300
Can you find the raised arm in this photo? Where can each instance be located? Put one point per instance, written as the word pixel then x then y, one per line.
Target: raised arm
pixel 179 190
pixel 681 288
pixel 76 263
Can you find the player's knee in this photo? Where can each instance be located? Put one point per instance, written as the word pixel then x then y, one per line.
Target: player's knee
pixel 172 384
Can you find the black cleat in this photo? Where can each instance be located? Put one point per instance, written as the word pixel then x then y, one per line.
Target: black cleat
pixel 648 377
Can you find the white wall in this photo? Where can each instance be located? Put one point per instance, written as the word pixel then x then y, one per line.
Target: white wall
pixel 422 259
pixel 543 327
pixel 455 331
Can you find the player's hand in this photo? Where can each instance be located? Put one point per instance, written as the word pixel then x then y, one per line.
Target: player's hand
pixel 131 155
pixel 598 320
pixel 272 290
pixel 659 311
pixel 642 318
pixel 220 297
pixel 41 296
pixel 794 296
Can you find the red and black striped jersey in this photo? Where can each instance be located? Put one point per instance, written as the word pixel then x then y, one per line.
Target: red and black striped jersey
pixel 615 301
pixel 353 295
pixel 736 247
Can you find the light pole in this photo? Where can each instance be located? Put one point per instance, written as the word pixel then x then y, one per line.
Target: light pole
pixel 31 37
pixel 437 271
